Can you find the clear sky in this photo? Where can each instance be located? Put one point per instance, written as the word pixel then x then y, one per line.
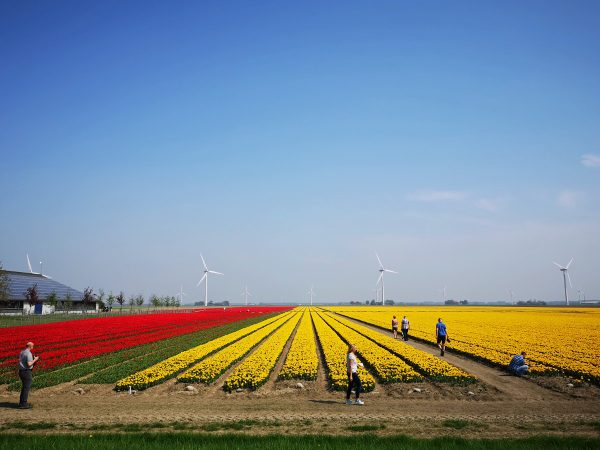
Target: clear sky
pixel 289 141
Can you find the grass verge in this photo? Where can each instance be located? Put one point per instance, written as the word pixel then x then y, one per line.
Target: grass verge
pixel 188 441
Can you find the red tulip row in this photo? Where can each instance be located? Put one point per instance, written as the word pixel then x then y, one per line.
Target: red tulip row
pixel 62 343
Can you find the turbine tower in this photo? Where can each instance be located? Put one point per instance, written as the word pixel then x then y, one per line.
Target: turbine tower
pixel 311 293
pixel 181 294
pixel 382 270
pixel 205 279
pixel 565 272
pixel 246 294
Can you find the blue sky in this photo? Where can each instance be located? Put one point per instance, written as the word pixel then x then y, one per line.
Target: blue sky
pixel 289 141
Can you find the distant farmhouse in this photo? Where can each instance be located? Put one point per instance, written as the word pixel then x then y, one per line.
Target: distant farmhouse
pixel 52 296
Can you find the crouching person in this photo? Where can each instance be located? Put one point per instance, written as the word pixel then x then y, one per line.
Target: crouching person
pixel 518 365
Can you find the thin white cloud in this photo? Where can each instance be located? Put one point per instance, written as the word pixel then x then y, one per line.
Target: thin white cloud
pixel 569 199
pixel 487 204
pixel 590 160
pixel 436 196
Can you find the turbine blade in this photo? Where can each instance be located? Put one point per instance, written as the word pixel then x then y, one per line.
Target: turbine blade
pixel 569 263
pixel 388 270
pixel 569 278
pixel 203 262
pixel 558 265
pixel 201 279
pixel 216 273
pixel 29 264
pixel 380 265
pixel 379 279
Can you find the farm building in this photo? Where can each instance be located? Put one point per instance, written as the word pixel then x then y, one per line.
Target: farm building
pixel 67 299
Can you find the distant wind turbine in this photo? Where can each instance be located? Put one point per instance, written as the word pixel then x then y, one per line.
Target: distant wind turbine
pixel 512 300
pixel 181 294
pixel 565 272
pixel 205 279
pixel 443 291
pixel 245 294
pixel 382 270
pixel 311 293
pixel 41 272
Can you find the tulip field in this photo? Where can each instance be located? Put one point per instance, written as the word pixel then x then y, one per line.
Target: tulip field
pixel 261 345
pixel 75 346
pixel 243 348
pixel 562 341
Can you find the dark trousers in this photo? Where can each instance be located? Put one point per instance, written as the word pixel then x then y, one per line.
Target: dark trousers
pixel 26 378
pixel 405 334
pixel 354 382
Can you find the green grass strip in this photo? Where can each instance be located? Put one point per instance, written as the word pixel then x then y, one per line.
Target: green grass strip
pixel 205 441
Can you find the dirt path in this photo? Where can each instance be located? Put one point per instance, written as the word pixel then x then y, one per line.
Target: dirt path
pixel 287 409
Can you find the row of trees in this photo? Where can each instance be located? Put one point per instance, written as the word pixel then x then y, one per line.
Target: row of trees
pixel 109 300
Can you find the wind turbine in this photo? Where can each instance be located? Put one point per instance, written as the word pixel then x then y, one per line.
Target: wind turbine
pixel 311 293
pixel 512 301
pixel 41 272
pixel 443 291
pixel 376 290
pixel 382 270
pixel 205 279
pixel 246 294
pixel 565 272
pixel 29 264
pixel 181 294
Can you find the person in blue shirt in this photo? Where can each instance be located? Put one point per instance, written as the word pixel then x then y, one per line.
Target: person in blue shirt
pixel 518 365
pixel 441 335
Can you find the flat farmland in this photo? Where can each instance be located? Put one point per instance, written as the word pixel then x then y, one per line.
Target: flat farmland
pixel 284 371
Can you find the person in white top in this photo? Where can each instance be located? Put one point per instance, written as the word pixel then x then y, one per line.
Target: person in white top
pixel 353 379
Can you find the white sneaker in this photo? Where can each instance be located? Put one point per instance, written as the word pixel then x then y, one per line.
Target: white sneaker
pixel 348 402
pixel 359 402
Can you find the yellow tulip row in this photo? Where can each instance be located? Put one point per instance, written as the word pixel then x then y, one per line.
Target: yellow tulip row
pixel 168 368
pixel 557 340
pixel 257 367
pixel 388 367
pixel 432 367
pixel 334 352
pixel 212 367
pixel 301 361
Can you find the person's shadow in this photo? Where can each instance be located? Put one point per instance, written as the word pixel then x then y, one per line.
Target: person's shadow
pixel 9 405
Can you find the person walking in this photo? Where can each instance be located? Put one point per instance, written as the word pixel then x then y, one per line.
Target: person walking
pixel 518 365
pixel 405 327
pixel 26 362
pixel 395 327
pixel 353 379
pixel 441 336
